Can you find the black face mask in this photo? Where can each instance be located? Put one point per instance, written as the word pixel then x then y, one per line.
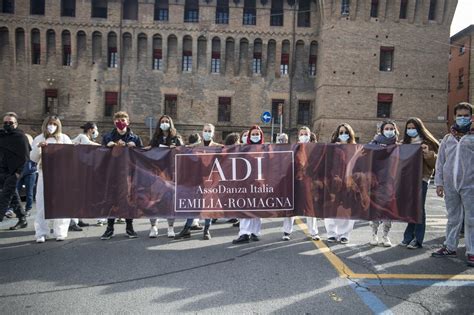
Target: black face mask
pixel 8 127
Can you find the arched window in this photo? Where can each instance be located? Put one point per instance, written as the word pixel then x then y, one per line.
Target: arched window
pixel 285 58
pixel 35 47
pixel 216 55
pixel 313 58
pixel 66 43
pixel 157 53
pixel 112 53
pixel 187 54
pixel 257 56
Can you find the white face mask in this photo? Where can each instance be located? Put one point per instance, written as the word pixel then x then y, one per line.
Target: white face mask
pixel 244 139
pixel 164 126
pixel 95 134
pixel 255 139
pixel 304 138
pixel 52 129
pixel 207 135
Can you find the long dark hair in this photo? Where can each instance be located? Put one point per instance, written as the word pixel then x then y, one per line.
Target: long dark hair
pixel 155 140
pixel 423 132
pixel 88 126
pixel 335 135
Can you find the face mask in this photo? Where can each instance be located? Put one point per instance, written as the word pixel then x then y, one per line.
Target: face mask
pixel 255 139
pixel 412 133
pixel 244 139
pixel 121 125
pixel 344 137
pixel 95 134
pixel 7 127
pixel 303 139
pixel 164 126
pixel 389 133
pixel 463 121
pixel 207 136
pixel 52 129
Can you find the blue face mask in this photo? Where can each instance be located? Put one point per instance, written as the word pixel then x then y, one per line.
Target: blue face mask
pixel 389 133
pixel 344 137
pixel 463 121
pixel 412 133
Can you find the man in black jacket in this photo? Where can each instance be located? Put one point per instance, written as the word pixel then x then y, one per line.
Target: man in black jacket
pixel 14 153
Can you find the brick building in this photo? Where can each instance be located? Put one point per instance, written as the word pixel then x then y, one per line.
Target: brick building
pixel 225 62
pixel 461 70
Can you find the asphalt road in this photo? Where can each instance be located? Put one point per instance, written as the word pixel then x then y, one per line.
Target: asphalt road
pixel 85 275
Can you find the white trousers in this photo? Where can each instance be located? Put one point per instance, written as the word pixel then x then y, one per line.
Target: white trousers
pixel 250 226
pixel 338 227
pixel 310 222
pixel 60 226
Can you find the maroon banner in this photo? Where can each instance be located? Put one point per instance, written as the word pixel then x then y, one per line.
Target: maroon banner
pixel 321 180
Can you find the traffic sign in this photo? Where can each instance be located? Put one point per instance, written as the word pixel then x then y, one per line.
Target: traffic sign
pixel 266 117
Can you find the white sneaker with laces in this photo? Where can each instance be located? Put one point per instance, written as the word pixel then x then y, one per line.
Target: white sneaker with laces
pixel 315 237
pixel 171 232
pixel 286 237
pixel 375 240
pixel 153 232
pixel 41 239
pixel 386 241
pixel 60 239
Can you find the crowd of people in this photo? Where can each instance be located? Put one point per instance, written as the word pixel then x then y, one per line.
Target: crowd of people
pixel 451 161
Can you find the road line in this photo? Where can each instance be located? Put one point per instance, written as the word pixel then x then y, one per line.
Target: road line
pixel 371 300
pixel 421 283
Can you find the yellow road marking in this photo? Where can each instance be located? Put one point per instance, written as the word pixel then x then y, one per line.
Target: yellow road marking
pixel 345 272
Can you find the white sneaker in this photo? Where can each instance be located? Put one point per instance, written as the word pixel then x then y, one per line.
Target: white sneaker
pixel 374 241
pixel 315 237
pixel 386 241
pixel 41 239
pixel 60 239
pixel 153 232
pixel 286 237
pixel 171 232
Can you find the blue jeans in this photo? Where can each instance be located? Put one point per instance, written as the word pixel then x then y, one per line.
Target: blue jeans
pixel 29 181
pixel 207 222
pixel 414 230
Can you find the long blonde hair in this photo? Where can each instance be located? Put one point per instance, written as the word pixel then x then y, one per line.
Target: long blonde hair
pixel 44 127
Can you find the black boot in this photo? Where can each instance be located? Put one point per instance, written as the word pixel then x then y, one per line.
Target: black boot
pixel 206 236
pixel 74 227
pixel 21 224
pixel 185 233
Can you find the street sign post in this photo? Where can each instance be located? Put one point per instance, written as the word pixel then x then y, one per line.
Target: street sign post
pixel 150 122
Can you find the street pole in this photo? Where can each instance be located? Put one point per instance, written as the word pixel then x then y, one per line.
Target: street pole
pixel 273 123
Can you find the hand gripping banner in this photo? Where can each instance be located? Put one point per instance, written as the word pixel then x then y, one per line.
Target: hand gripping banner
pixel 365 182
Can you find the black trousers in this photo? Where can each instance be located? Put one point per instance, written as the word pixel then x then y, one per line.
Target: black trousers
pixel 9 196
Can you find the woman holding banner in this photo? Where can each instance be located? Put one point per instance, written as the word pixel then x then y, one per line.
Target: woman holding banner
pixel 165 136
pixel 51 132
pixel 338 230
pixel 249 229
pixel 417 133
pixel 304 136
pixel 388 135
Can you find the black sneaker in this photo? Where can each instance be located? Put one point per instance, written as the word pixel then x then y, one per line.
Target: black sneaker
pixel 75 228
pixel 344 240
pixel 234 220
pixel 83 224
pixel 254 237
pixel 108 234
pixel 444 252
pixel 206 236
pixel 21 224
pixel 332 240
pixel 244 238
pixel 131 233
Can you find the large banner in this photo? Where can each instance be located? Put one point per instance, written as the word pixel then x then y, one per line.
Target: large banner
pixel 366 182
